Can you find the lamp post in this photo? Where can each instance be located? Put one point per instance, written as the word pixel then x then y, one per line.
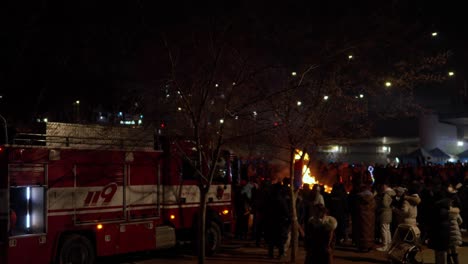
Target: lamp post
pixel 5 129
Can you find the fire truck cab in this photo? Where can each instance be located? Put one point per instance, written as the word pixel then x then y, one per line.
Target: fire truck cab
pixel 77 192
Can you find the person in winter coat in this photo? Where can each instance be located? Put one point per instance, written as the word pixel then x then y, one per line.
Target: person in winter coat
pixel 409 210
pixel 319 239
pixel 364 219
pixel 463 195
pixel 397 208
pixel 338 206
pixel 384 210
pixel 316 197
pixel 439 225
pixel 455 235
pixel 277 219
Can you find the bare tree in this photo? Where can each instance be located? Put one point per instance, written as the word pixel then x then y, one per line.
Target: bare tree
pixel 207 85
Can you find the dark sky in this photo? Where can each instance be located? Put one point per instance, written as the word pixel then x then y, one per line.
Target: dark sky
pixel 56 52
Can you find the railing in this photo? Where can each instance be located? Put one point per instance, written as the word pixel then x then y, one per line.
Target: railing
pixel 81 142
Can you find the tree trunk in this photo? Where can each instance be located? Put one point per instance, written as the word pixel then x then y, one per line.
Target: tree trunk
pixel 201 227
pixel 294 223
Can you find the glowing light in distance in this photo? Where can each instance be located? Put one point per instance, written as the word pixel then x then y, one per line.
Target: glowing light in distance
pixel 371 171
pixel 179 108
pixel 293 73
pixel 99 226
pixel 434 34
pixel 451 73
pixel 46 120
pixel 299 103
pixel 350 57
pixel 172 217
pixel 361 96
pixel 388 84
pixel 325 97
pixel 460 143
pixel 77 102
pixel 225 212
pixel 221 121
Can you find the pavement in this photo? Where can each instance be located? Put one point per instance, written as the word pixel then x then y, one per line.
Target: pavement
pixel 246 252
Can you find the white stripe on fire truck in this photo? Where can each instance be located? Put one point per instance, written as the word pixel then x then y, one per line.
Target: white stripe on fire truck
pixel 34 168
pixel 175 206
pixel 63 198
pixel 71 212
pixel 119 209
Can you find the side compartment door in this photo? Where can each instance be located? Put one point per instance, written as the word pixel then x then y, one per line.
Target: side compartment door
pixel 142 208
pixel 99 192
pixel 142 192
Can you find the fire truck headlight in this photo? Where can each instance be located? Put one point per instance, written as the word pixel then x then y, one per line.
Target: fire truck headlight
pixel 225 212
pixel 99 226
pixel 172 217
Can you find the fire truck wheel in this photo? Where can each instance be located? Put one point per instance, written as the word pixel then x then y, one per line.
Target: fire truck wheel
pixel 213 238
pixel 76 249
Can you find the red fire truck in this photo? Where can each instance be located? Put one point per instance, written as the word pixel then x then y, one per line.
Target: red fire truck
pixel 77 192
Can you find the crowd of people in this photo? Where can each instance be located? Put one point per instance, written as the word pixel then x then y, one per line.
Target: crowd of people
pixel 362 210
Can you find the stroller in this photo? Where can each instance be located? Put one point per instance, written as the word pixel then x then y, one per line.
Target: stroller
pixel 406 247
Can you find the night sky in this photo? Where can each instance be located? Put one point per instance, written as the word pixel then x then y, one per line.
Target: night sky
pixel 97 51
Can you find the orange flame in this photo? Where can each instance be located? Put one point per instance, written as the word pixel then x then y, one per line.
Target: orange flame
pixel 307 177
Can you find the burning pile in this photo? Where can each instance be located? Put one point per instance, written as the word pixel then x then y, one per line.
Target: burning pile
pixel 307 177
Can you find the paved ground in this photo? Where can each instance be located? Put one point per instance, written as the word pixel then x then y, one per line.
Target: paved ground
pixel 247 253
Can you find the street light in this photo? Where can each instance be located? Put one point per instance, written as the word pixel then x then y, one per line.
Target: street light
pixel 325 97
pixel 451 73
pixel 299 103
pixel 293 73
pixel 388 84
pixel 434 34
pixel 350 57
